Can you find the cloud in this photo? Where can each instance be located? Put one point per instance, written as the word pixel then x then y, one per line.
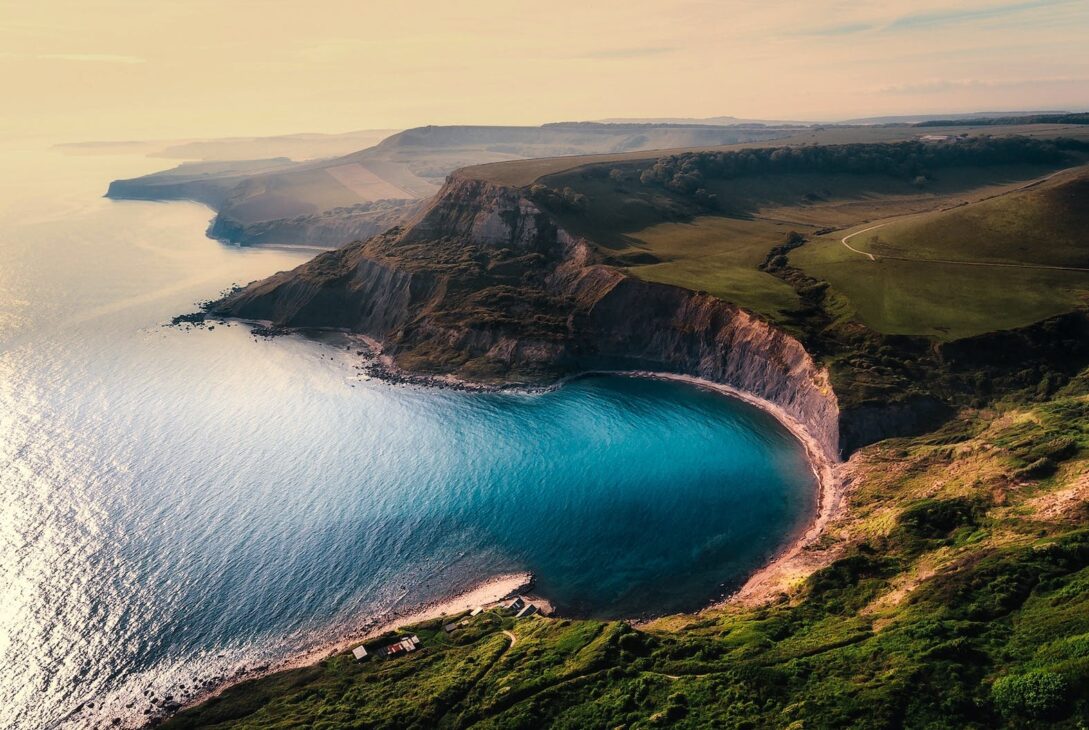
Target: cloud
pixel 838 30
pixel 629 52
pixel 90 58
pixel 948 17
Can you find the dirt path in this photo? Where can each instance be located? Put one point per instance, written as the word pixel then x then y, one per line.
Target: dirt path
pixel 513 639
pixel 956 262
pixel 953 262
pixel 864 230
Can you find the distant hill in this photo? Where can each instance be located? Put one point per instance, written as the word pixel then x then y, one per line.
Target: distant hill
pixel 334 200
pixel 1042 118
pixel 704 121
pixel 303 146
pixel 1009 116
pixel 963 118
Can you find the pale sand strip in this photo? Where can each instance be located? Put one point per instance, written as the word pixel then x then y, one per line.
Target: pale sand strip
pixel 489 592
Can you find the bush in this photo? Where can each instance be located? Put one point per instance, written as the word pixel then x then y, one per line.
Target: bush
pixel 1039 469
pixel 936 518
pixel 1037 694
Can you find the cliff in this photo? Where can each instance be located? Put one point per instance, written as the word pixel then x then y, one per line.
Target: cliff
pixel 329 228
pixel 483 284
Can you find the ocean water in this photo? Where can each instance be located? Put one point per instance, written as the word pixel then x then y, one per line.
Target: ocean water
pixel 177 504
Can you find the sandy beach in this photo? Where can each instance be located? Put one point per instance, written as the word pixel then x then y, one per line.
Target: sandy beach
pixel 486 593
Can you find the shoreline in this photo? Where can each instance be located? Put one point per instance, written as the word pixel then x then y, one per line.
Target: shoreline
pixel 766 582
pixel 486 592
pixel 759 587
pixel 756 588
pixel 786 563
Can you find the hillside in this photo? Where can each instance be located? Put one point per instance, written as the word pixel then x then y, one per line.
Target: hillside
pixel 332 201
pixel 1002 262
pixel 657 226
pixel 526 172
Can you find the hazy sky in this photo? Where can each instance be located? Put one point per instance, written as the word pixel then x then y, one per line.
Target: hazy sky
pixel 121 69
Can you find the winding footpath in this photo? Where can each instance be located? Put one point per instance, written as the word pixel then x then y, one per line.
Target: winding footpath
pixel 956 262
pixel 864 230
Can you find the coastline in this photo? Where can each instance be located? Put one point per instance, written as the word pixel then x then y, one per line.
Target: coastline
pixel 489 591
pixel 785 567
pixel 759 587
pixel 764 584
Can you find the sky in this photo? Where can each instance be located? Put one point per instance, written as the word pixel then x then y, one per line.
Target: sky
pixel 157 69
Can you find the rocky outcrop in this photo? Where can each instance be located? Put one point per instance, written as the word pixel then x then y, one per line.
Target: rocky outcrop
pixel 484 284
pixel 486 214
pixel 330 228
pixel 339 289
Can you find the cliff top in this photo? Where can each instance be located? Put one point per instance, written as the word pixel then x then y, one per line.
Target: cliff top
pixel 520 173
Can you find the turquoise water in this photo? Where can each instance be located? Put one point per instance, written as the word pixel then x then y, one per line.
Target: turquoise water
pixel 176 505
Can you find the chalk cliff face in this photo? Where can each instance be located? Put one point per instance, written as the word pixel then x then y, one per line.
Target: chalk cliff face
pixel 484 284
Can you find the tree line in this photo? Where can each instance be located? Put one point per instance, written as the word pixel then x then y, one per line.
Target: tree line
pixel 689 172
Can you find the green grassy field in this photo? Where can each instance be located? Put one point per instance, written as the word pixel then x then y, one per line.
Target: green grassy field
pixel 993 213
pixel 944 302
pixel 1047 225
pixel 912 289
pixel 718 255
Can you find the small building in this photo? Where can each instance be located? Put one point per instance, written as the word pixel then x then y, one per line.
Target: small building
pixel 401 646
pixel 360 653
pixel 450 628
pixel 517 604
pixel 528 610
pixel 477 611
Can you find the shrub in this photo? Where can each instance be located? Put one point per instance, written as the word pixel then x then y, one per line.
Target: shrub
pixel 1039 469
pixel 1037 694
pixel 936 518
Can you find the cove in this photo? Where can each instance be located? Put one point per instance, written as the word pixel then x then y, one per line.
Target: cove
pixel 179 504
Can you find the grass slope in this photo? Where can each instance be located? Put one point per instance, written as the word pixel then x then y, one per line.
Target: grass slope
pixel 956 595
pixel 988 213
pixel 913 289
pixel 717 255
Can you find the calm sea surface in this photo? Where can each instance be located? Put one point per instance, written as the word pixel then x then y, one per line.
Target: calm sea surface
pixel 175 505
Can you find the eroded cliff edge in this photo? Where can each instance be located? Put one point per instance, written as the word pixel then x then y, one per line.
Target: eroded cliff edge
pixel 484 285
